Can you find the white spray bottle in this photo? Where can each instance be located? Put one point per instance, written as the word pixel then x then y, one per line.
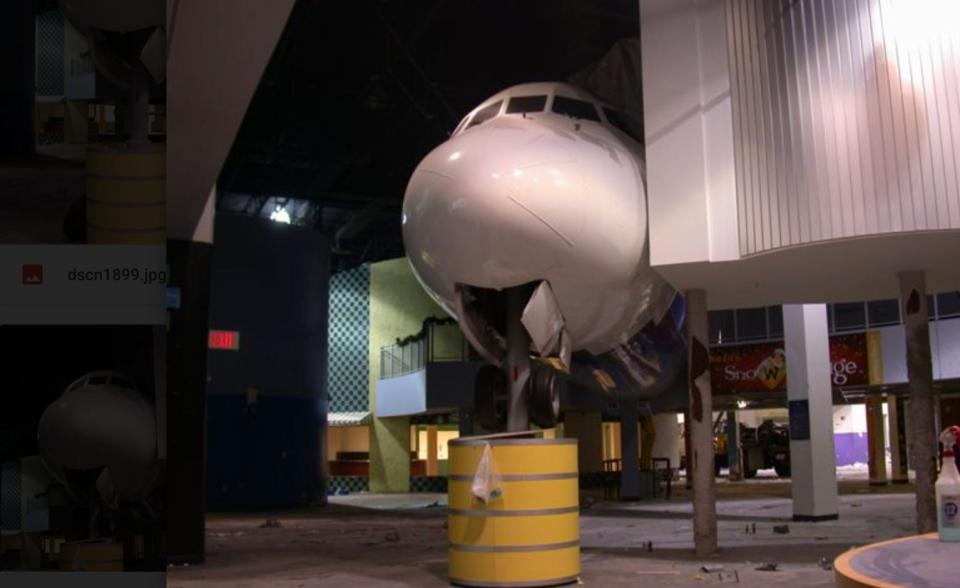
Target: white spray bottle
pixel 948 488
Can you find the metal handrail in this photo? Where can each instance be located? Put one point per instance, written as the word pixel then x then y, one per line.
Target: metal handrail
pixel 444 342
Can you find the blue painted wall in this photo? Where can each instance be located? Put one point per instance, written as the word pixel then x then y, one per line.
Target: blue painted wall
pixel 267 401
pixel 263 455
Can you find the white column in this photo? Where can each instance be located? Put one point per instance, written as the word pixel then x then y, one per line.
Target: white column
pixel 667 441
pixel 810 400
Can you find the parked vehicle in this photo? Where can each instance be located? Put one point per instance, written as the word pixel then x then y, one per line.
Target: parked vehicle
pixel 765 447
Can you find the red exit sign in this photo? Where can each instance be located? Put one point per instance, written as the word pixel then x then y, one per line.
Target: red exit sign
pixel 224 340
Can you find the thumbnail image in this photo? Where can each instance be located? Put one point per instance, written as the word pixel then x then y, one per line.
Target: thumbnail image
pixel 82 461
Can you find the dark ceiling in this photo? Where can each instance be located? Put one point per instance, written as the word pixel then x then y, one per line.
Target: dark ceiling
pixel 357 93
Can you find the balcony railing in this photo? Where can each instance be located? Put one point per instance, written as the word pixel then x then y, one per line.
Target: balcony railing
pixel 439 342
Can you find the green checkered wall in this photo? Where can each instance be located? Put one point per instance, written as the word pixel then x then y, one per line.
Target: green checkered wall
pixel 348 379
pixel 10 494
pixel 50 45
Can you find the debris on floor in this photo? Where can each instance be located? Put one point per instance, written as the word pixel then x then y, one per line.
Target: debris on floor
pixel 826 564
pixel 781 529
pixel 270 524
pixel 222 535
pixel 392 537
pixel 711 568
pixel 768 567
pixel 729 577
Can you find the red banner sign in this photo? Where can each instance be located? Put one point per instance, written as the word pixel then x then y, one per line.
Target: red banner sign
pixel 762 367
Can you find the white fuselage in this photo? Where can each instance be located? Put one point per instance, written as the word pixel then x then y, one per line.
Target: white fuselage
pixel 531 196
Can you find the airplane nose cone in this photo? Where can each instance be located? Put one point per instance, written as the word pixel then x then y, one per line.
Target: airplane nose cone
pixel 486 209
pixel 94 427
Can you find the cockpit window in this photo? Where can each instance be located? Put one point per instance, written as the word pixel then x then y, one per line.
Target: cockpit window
pixel 616 119
pixel 461 126
pixel 575 108
pixel 485 114
pixel 122 382
pixel 519 104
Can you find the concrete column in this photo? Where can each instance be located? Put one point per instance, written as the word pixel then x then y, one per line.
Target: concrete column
pixel 667 441
pixel 923 432
pixel 648 437
pixel 687 449
pixel 17 85
pixel 432 449
pixel 700 425
pixel 629 444
pixel 876 443
pixel 517 363
pixel 587 428
pixel 898 439
pixel 76 122
pixel 465 422
pixel 189 256
pixel 733 446
pixel 810 400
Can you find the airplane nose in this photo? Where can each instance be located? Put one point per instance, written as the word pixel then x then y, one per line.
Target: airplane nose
pixel 485 210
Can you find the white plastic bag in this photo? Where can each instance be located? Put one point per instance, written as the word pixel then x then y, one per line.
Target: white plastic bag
pixel 486 480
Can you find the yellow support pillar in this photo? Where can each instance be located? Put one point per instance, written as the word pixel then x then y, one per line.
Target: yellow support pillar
pixel 876 445
pixel 432 466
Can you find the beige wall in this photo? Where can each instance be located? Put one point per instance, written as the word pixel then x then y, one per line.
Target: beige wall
pixel 398 307
pixel 347 439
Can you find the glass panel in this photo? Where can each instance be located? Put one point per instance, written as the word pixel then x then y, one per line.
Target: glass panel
pixel 751 323
pixel 526 104
pixel 883 312
pixel 575 108
pixel 721 326
pixel 485 114
pixel 948 304
pixel 775 321
pixel 931 307
pixel 848 316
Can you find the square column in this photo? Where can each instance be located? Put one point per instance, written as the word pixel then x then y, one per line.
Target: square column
pixel 629 454
pixel 733 446
pixel 810 400
pixel 898 439
pixel 433 468
pixel 587 428
pixel 876 443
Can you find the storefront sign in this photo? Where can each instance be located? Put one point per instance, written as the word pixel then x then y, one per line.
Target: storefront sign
pixel 762 367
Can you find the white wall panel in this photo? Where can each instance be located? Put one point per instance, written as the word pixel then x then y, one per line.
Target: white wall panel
pixel 846 118
pixel 686 95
